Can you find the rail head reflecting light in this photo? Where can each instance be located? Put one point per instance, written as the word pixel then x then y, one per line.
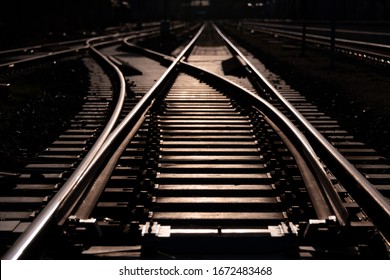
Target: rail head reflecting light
pixel 353 180
pixel 62 204
pixel 80 178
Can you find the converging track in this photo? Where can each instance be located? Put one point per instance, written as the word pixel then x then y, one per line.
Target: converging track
pixel 208 161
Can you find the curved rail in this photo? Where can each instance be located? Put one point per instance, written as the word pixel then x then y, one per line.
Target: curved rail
pixel 63 201
pixel 321 177
pixel 84 45
pixel 26 240
pixel 374 203
pixel 299 140
pixel 114 31
pixel 354 181
pixel 69 190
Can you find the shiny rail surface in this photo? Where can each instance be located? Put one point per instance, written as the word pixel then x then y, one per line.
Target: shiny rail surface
pixel 83 174
pixel 24 56
pixel 375 50
pixel 205 167
pixel 375 202
pixel 366 193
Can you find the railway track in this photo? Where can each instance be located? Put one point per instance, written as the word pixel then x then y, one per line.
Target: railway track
pixel 365 45
pixel 21 56
pixel 27 192
pixel 200 167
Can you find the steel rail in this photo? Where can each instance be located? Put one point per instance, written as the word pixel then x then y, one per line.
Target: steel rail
pixel 353 180
pixel 327 190
pixel 54 44
pixel 37 47
pixel 341 44
pixel 118 30
pixel 13 64
pixel 123 129
pixel 299 140
pixel 312 183
pixel 68 190
pixel 326 38
pixel 321 29
pixel 86 206
pixel 368 197
pixel 320 203
pixel 63 202
pixel 96 41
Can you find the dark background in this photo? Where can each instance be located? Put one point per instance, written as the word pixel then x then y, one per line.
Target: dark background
pixel 31 18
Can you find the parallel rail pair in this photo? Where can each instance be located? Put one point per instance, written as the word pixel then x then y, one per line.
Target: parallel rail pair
pixel 102 157
pixel 375 50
